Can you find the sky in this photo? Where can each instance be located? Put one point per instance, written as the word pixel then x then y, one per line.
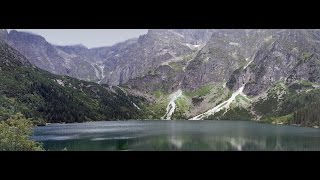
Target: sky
pixel 88 37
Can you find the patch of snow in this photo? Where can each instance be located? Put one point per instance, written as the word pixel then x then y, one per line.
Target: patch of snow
pixel 234 54
pixel 96 71
pixel 134 104
pixel 172 105
pixel 176 33
pixel 234 44
pixel 101 66
pixel 248 63
pixel 224 85
pixel 223 105
pixel 184 68
pixel 315 86
pixel 268 38
pixel 60 82
pixel 277 68
pixel 130 100
pixel 309 90
pixel 193 46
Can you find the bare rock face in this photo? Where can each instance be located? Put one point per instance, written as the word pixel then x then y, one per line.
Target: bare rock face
pixel 37 50
pixel 192 58
pixel 3 33
pixel 288 56
pixel 11 57
pixel 226 51
pixel 164 78
pixel 110 65
pixel 149 51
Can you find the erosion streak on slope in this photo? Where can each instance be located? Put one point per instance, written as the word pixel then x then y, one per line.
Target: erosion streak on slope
pixel 223 105
pixel 248 64
pixel 172 105
pixel 101 66
pixel 128 97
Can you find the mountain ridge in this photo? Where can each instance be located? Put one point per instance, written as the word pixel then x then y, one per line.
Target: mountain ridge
pixel 249 74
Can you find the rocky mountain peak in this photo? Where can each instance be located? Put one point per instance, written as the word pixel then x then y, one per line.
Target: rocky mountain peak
pixel 3 33
pixel 11 57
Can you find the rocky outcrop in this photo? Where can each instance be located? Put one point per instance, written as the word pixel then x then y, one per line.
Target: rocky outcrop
pixel 288 56
pixel 226 51
pixel 164 78
pixel 109 65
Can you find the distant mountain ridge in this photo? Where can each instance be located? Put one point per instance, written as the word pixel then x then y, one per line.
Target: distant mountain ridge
pixel 111 65
pixel 43 96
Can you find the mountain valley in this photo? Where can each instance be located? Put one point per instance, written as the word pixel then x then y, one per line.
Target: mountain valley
pixel 269 75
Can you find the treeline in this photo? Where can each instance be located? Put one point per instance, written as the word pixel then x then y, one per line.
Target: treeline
pixel 308 116
pixel 59 105
pixel 90 103
pixel 36 94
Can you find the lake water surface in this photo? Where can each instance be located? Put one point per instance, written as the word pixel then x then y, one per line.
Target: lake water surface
pixel 176 135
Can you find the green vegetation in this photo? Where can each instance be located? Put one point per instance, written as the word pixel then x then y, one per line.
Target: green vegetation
pixel 41 95
pixel 182 103
pixel 220 93
pixel 304 57
pixel 300 86
pixel 177 66
pixel 236 113
pixel 308 116
pixel 242 63
pixel 182 106
pixel 306 83
pixel 269 105
pixel 202 91
pixel 152 73
pixel 15 133
pixel 240 99
pixel 296 102
pixel 157 109
pixel 286 119
pixel 295 106
pixel 158 94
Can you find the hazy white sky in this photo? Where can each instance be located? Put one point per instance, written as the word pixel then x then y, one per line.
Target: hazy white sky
pixel 88 37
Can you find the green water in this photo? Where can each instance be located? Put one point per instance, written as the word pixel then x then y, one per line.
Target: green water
pixel 177 135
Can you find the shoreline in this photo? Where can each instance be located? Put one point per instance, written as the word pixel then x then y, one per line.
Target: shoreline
pixel 281 123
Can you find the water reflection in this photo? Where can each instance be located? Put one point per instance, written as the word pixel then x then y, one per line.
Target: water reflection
pixel 164 135
pixel 177 142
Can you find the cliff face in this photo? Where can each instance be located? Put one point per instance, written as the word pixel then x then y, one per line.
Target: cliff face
pixel 111 65
pixel 288 56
